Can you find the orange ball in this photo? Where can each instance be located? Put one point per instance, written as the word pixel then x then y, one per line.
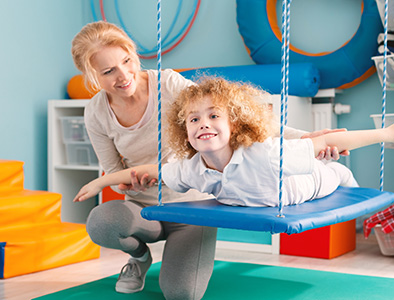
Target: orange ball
pixel 76 88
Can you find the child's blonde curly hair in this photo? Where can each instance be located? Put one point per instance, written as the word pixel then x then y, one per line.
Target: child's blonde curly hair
pixel 250 114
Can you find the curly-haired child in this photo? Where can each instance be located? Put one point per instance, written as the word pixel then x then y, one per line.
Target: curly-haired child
pixel 225 139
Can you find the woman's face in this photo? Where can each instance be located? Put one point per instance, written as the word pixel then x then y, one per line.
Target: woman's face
pixel 117 72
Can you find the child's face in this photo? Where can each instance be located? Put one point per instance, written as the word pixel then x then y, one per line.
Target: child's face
pixel 208 128
pixel 117 72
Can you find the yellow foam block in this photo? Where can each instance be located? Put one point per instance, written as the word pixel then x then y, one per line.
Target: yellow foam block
pixel 32 249
pixel 11 176
pixel 29 208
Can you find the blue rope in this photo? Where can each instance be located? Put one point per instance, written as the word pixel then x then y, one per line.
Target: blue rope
pixel 384 93
pixel 283 98
pixel 159 99
pixel 287 57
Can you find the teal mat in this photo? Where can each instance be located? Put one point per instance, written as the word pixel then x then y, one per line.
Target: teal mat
pixel 250 281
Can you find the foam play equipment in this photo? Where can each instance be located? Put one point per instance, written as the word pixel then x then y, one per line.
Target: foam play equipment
pixel 76 88
pixel 11 176
pixel 108 194
pixel 343 68
pixel 326 242
pixel 343 205
pixel 232 280
pixel 304 77
pixel 32 236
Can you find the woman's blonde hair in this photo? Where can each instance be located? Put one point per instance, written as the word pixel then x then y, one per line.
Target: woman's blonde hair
pixel 250 114
pixel 90 40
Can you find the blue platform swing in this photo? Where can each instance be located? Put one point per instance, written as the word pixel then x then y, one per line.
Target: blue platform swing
pixel 343 205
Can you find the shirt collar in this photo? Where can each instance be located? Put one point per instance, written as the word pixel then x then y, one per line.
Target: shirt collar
pixel 238 156
pixel 236 159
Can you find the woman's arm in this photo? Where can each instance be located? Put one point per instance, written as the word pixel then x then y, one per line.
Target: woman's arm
pixel 349 140
pixel 121 177
pixel 97 122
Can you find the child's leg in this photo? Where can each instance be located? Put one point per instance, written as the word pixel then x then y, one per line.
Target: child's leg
pixel 330 176
pixel 345 176
pixel 118 225
pixel 187 261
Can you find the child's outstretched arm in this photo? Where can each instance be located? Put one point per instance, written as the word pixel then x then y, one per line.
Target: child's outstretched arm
pixel 94 187
pixel 349 140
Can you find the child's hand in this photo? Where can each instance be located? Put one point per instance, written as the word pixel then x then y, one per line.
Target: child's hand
pixel 138 185
pixel 88 191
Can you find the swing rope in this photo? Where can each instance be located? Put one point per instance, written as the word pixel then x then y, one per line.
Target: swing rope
pixel 384 93
pixel 284 92
pixel 159 99
pixel 287 56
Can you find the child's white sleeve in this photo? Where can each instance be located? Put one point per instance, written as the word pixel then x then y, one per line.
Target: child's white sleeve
pixel 292 133
pixel 172 177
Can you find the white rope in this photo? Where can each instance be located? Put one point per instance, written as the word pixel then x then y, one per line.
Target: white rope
pixel 284 92
pixel 159 99
pixel 384 93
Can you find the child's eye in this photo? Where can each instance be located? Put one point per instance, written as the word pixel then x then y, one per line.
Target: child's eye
pixel 127 60
pixel 193 120
pixel 214 116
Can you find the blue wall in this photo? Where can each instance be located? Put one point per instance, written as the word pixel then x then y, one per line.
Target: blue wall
pixel 36 65
pixel 35 56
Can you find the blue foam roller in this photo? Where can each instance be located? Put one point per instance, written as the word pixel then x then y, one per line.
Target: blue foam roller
pixel 304 78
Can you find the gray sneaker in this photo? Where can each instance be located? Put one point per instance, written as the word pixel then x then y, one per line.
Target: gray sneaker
pixel 132 276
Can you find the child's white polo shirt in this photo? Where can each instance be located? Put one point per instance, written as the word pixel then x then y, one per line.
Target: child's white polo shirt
pixel 252 176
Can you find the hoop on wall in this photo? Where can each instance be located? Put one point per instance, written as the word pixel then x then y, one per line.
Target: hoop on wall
pixel 178 37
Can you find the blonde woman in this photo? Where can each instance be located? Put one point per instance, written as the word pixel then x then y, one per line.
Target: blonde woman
pixel 121 120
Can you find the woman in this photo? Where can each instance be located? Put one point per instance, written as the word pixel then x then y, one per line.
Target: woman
pixel 121 121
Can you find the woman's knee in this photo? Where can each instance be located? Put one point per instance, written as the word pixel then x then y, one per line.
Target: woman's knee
pixel 173 291
pixel 187 261
pixel 107 219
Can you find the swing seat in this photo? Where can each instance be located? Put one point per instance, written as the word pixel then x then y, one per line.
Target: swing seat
pixel 343 205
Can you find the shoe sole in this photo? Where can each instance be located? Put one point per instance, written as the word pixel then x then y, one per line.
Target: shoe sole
pixel 128 291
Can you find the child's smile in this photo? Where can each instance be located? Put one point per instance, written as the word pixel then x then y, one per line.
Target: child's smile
pixel 206 136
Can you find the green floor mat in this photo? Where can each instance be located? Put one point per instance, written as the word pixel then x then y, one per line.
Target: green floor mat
pixel 250 281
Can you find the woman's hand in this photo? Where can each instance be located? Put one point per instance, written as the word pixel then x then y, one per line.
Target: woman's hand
pixel 138 184
pixel 329 152
pixel 88 191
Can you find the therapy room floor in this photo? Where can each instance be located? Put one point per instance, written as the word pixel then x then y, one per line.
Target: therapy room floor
pixel 365 260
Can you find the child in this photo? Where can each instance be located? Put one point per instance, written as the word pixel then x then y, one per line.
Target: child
pixel 224 138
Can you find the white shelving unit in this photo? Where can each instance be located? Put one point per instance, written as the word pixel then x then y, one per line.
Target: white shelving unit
pixel 64 178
